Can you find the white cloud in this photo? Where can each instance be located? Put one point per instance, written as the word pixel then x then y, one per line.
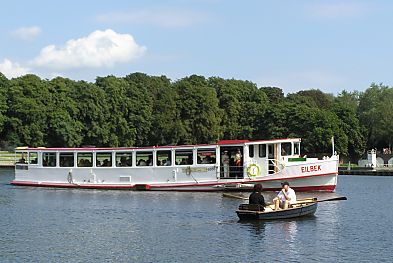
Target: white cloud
pixel 333 10
pixel 12 70
pixel 155 17
pixel 98 49
pixel 26 33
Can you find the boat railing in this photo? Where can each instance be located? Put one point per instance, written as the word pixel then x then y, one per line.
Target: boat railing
pixel 231 172
pixel 275 166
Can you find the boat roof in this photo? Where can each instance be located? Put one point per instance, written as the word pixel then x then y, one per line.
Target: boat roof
pixel 221 143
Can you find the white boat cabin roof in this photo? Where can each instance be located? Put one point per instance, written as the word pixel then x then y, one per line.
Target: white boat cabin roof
pixel 221 143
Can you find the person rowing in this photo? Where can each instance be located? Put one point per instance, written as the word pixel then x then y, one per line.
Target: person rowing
pixel 285 198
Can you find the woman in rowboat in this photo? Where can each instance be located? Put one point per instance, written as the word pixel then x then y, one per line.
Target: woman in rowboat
pixel 256 197
pixel 285 198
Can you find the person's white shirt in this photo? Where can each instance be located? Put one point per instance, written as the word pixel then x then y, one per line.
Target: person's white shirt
pixel 290 193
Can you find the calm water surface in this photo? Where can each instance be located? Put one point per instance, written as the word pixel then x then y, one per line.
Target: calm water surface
pixel 63 225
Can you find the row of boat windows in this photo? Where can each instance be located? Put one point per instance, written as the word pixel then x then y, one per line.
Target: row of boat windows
pixel 122 159
pixel 267 150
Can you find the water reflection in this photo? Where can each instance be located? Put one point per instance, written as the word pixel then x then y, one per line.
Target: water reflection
pixel 290 229
pixel 255 227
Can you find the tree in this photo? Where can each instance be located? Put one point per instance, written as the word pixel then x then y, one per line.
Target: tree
pixel 345 107
pixel 375 115
pixel 63 126
pixel 274 94
pixel 27 111
pixel 200 114
pixel 93 113
pixel 243 105
pixel 4 83
pixel 312 98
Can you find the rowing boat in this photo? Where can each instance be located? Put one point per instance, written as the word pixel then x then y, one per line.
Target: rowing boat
pixel 303 207
pixel 255 212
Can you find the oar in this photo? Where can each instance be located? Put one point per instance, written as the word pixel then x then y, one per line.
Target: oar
pixel 240 197
pixel 333 199
pixel 234 196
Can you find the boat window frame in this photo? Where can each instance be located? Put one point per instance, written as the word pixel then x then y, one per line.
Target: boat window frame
pixel 262 146
pixel 286 149
pixel 208 150
pixel 169 157
pixel 30 158
pixel 251 150
pixel 124 153
pixel 44 153
pixel 144 152
pixel 296 148
pixel 23 160
pixel 184 150
pixel 67 153
pixel 78 160
pixel 97 154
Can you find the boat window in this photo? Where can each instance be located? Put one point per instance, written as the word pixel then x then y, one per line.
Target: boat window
pixel 104 159
pixel 123 159
pixel 184 157
pixel 206 156
pixel 33 158
pixel 297 148
pixel 286 149
pixel 85 159
pixel 271 151
pixel 21 158
pixel 262 150
pixel 251 151
pixel 144 158
pixel 49 159
pixel 66 159
pixel 164 158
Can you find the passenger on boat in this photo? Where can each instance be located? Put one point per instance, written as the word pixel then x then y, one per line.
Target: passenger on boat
pixel 256 196
pixel 106 163
pixel 225 163
pixel 142 162
pixel 285 198
pixel 238 158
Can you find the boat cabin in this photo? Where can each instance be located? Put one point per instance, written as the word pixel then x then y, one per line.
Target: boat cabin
pixel 229 159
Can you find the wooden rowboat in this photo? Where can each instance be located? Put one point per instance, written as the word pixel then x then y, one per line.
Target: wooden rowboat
pixel 303 207
pixel 255 212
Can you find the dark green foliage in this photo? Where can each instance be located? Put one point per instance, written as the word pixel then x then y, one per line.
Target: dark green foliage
pixel 274 94
pixel 4 83
pixel 243 106
pixel 376 115
pixel 140 110
pixel 199 111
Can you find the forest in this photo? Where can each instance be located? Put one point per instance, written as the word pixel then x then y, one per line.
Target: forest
pixel 141 110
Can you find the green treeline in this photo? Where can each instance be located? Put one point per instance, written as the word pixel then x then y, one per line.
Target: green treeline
pixel 140 110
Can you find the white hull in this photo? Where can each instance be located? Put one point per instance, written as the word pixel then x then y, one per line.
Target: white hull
pixel 111 178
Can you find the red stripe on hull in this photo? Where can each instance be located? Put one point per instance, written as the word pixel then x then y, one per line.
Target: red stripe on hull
pixel 195 187
pixel 60 185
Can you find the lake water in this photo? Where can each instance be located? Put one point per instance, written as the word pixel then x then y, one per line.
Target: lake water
pixel 65 225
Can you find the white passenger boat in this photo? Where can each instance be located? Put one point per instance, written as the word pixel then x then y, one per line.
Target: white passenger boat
pixel 228 165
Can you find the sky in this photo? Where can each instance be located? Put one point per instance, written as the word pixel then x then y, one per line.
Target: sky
pixel 331 45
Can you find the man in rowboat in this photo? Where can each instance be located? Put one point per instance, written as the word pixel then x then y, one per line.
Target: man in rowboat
pixel 285 198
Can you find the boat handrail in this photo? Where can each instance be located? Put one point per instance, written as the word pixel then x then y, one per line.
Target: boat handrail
pixel 278 166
